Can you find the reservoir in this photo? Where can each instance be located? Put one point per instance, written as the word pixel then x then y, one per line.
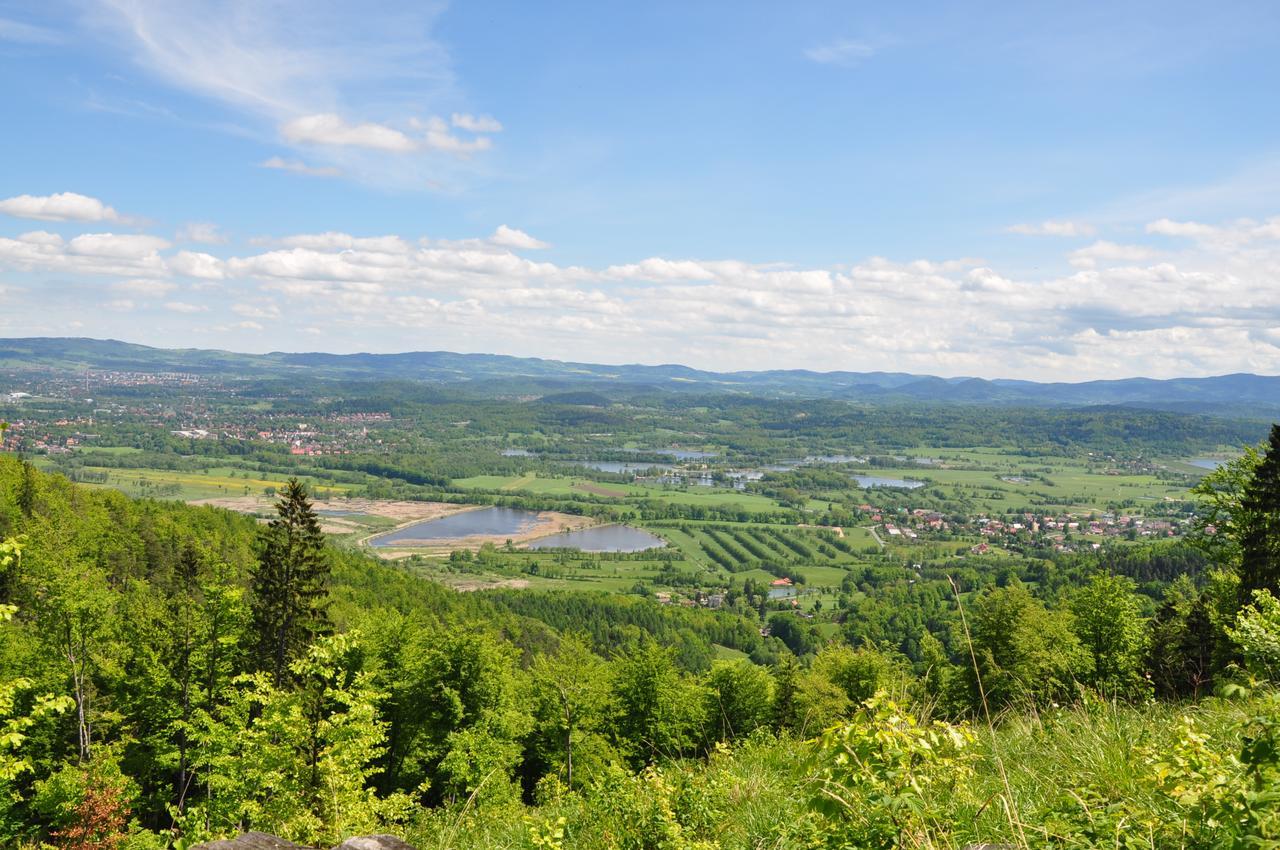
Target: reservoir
pixel 602 538
pixel 490 522
pixel 618 467
pixel 878 481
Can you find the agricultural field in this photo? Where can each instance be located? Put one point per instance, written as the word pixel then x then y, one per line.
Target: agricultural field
pixel 193 485
pixel 552 485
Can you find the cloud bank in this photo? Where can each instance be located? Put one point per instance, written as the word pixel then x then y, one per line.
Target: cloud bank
pixel 1195 299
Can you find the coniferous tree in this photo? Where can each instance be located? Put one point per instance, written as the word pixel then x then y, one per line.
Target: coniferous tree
pixel 27 488
pixel 1260 540
pixel 289 585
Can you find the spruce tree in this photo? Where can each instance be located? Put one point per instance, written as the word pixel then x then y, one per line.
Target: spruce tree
pixel 1260 540
pixel 289 586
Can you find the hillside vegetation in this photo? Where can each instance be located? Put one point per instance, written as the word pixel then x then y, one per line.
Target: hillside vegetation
pixel 172 673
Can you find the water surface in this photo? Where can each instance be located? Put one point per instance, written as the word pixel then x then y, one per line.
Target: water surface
pixel 619 467
pixel 879 481
pixel 485 521
pixel 602 538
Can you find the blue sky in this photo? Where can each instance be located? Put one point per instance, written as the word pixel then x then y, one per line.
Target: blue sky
pixel 1060 191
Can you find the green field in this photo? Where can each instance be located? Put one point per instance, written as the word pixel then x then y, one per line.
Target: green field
pixel 213 483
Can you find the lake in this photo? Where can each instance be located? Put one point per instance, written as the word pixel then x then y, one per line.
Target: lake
pixel 834 459
pixel 496 522
pixel 1206 463
pixel 619 467
pixel 602 538
pixel 878 481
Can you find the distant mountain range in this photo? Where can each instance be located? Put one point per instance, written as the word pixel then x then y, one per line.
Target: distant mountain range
pixel 1239 394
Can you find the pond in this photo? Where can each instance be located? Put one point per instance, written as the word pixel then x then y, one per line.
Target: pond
pixel 811 459
pixel 620 468
pixel 602 538
pixel 878 481
pixel 1205 463
pixel 495 522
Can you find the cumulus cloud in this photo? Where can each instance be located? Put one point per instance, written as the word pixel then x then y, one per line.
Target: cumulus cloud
pixel 201 231
pixel 475 123
pixel 1054 228
pixel 299 167
pixel 63 206
pixel 184 307
pixel 196 264
pixel 333 130
pixel 510 237
pixel 1225 236
pixel 1118 309
pixel 1104 251
pixel 145 287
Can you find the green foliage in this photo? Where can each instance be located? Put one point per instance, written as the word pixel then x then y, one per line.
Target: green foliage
pixel 1026 654
pixel 1260 531
pixel 739 699
pixel 294 762
pixel 882 779
pixel 659 712
pixel 1257 634
pixel 1111 629
pixel 289 584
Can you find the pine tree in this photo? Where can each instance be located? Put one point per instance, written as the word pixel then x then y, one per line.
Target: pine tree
pixel 1260 540
pixel 27 488
pixel 289 586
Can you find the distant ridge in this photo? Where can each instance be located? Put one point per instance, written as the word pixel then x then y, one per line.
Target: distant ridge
pixel 1240 394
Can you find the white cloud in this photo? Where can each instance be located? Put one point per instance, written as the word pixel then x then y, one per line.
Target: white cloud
pixel 305 72
pixel 437 137
pixel 256 311
pixel 144 287
pixel 197 264
pixel 331 129
pixel 1223 237
pixel 475 123
pixel 1054 228
pixel 184 307
pixel 510 237
pixel 1124 309
pixel 201 231
pixel 1168 227
pixel 128 246
pixel 844 51
pixel 299 167
pixel 63 206
pixel 332 241
pixel 1105 251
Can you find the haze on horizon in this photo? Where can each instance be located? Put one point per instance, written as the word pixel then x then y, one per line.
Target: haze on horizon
pixel 1058 194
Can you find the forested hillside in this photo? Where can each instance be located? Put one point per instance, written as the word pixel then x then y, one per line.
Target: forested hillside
pixel 171 673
